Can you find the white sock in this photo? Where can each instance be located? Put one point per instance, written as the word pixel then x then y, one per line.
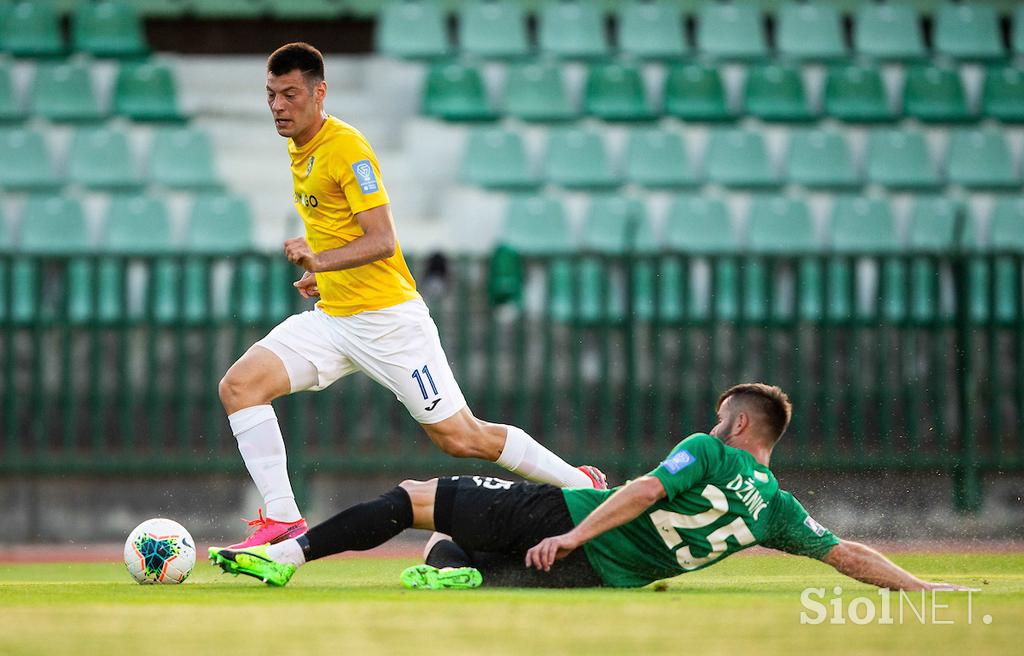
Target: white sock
pixel 525 456
pixel 262 448
pixel 287 551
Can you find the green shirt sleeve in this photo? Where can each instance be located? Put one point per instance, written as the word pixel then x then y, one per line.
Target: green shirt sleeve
pixel 794 531
pixel 691 461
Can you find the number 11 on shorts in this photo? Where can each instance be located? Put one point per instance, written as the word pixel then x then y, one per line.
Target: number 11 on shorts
pixel 430 379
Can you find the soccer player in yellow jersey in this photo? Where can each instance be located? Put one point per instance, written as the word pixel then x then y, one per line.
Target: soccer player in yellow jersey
pixel 370 317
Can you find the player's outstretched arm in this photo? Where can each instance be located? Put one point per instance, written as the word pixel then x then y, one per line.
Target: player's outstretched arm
pixel 624 506
pixel 863 563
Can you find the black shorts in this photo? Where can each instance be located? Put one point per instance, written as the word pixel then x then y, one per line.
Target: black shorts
pixel 497 521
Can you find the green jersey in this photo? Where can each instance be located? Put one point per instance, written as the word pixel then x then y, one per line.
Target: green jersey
pixel 719 500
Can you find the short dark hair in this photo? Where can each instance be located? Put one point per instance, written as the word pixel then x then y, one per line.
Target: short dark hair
pixel 297 56
pixel 769 400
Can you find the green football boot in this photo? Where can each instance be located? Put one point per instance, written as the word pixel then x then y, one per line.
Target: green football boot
pixel 253 562
pixel 426 577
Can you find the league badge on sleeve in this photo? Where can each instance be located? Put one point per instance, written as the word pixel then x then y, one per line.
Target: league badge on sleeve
pixel 680 460
pixel 818 529
pixel 366 177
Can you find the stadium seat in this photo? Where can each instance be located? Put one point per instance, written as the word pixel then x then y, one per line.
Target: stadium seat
pixel 25 161
pixel 536 92
pixel 739 158
pixel 696 226
pixel 456 92
pixel 695 93
pixel 865 225
pixel 615 92
pixel 305 10
pixel 859 224
pixel 412 29
pixel 731 31
pixel 64 92
pixel 573 30
pixel 536 225
pixel 229 9
pixel 776 93
pixel 160 8
pixel 493 30
pixel 980 159
pixel 218 224
pixel 136 225
pixel 888 32
pixel 968 31
pixel 935 95
pixel 11 110
pixel 652 30
pixel 1003 94
pixel 820 159
pixel 109 28
pixel 856 94
pixel 1017 37
pixel 53 225
pixel 100 158
pixel 496 159
pixel 777 224
pixel 810 32
pixel 1006 229
pixel 181 158
pixel 933 224
pixel 31 29
pixel 615 224
pixel 657 159
pixel 999 296
pixel 146 92
pixel 780 225
pixel 577 158
pixel 900 160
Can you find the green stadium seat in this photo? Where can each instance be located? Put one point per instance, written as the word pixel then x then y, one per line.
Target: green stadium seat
pixel 731 31
pixel 657 158
pixel 999 297
pixel 860 224
pixel 935 95
pixel 695 93
pixel 865 225
pixel 182 158
pixel 412 30
pixel 777 224
pixel 888 32
pixel 493 30
pixel 456 92
pixel 810 32
pixel 900 160
pixel 1003 94
pixel 820 159
pixel 218 224
pixel 537 225
pixel 932 228
pixel 968 31
pixel 615 92
pixel 572 30
pixel 1006 229
pixel 980 159
pixel 776 93
pixel 577 158
pixel 229 9
pixel 136 225
pixel 25 161
pixel 108 28
pixel 53 225
pixel 305 10
pixel 855 94
pixel 780 226
pixel 536 92
pixel 64 92
pixel 100 158
pixel 160 8
pixel 11 110
pixel 496 159
pixel 696 226
pixel 31 29
pixel 1017 37
pixel 615 224
pixel 652 30
pixel 146 92
pixel 739 158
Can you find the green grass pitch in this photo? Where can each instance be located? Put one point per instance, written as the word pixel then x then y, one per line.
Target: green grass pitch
pixel 747 604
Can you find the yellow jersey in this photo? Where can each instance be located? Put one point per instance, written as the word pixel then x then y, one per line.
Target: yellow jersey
pixel 336 176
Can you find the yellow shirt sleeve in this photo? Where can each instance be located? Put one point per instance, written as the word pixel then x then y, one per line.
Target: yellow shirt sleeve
pixel 358 175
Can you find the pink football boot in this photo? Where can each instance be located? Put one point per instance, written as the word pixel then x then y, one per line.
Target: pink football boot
pixel 595 475
pixel 271 531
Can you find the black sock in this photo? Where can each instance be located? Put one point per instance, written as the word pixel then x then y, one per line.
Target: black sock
pixel 360 527
pixel 445 553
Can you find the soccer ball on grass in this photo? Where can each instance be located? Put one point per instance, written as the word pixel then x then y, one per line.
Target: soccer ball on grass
pixel 159 551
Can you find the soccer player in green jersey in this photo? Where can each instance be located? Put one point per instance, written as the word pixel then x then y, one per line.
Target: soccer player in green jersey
pixel 711 497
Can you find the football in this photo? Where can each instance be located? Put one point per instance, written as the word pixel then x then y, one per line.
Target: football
pixel 159 551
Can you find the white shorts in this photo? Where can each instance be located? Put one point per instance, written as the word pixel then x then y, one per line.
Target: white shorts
pixel 398 347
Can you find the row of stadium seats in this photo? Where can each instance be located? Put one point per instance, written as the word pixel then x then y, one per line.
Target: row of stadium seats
pixel 235 9
pixel 178 158
pixel 65 92
pixel 616 92
pixel 733 31
pixel 32 28
pixel 578 158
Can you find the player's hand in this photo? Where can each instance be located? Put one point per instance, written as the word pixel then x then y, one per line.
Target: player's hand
pixel 547 551
pixel 298 252
pixel 307 285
